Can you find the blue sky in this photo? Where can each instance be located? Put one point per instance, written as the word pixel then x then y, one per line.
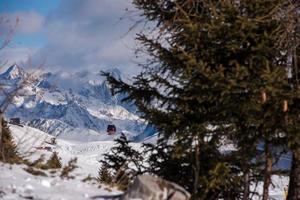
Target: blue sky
pixel 70 35
pixel 39 6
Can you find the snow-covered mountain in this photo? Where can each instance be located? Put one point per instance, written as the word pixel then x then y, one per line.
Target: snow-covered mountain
pixel 69 105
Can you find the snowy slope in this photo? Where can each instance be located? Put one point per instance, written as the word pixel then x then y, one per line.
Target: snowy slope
pixel 88 153
pixel 70 104
pixel 16 183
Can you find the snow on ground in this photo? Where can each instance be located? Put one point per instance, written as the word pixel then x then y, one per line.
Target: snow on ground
pixel 87 153
pixel 18 184
pixel 15 183
pixel 276 190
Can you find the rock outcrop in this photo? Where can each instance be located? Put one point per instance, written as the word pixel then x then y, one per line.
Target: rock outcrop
pixel 146 187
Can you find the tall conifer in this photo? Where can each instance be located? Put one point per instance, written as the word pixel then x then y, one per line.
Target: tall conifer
pixel 216 72
pixel 8 151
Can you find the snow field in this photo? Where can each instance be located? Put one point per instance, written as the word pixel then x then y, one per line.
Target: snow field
pixel 15 183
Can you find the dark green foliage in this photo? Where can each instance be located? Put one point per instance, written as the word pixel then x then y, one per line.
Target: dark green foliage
pixel 8 150
pixel 121 164
pixel 217 71
pixel 35 172
pixel 105 176
pixel 168 166
pixel 38 163
pixel 122 155
pixel 122 178
pixel 215 177
pixel 91 179
pixel 70 167
pixel 53 162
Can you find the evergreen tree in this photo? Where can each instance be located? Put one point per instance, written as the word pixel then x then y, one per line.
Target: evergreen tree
pixel 215 178
pixel 292 125
pixel 123 162
pixel 70 167
pixel 9 153
pixel 105 176
pixel 53 162
pixel 290 40
pixel 121 155
pixel 215 72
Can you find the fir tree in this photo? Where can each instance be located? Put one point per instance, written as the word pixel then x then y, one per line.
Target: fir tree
pixel 123 162
pixel 9 153
pixel 53 162
pixel 215 72
pixel 121 155
pixel 70 167
pixel 290 40
pixel 105 176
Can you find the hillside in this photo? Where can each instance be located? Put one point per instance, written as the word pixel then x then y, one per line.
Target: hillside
pixel 18 184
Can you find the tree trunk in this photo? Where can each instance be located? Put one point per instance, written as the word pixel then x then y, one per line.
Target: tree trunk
pixel 196 167
pixel 294 184
pixel 268 172
pixel 246 192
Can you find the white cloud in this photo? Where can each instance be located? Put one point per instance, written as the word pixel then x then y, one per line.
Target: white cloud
pixel 28 22
pixel 19 55
pixel 88 35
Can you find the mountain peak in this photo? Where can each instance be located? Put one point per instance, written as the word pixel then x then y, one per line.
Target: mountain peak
pixel 13 72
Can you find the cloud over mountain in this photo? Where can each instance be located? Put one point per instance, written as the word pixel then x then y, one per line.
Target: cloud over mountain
pixel 28 22
pixel 88 34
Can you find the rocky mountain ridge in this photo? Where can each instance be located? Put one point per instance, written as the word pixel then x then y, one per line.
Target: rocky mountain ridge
pixel 71 105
